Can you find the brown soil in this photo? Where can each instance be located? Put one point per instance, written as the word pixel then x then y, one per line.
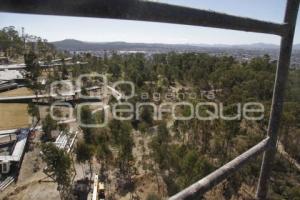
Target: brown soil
pixel 13 115
pixel 16 92
pixel 32 182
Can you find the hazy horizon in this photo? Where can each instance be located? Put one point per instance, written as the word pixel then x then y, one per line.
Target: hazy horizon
pixel 205 44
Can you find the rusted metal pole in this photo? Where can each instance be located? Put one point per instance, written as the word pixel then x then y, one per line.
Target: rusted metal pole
pixel 278 96
pixel 141 10
pixel 205 184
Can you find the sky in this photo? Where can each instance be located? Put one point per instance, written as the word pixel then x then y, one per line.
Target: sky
pixel 55 28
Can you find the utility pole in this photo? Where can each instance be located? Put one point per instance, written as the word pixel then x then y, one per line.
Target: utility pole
pixel 24 39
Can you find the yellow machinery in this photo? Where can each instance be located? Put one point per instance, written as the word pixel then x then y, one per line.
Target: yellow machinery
pixel 98 189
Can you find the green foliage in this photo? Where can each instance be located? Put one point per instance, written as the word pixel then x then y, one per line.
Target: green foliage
pixel 146 115
pixel 48 125
pixel 84 151
pixel 33 110
pixel 10 42
pixel 33 71
pixel 192 167
pixel 103 152
pixel 58 168
pixel 160 146
pixel 87 119
pixel 120 131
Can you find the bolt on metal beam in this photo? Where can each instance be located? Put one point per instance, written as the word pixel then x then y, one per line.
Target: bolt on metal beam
pixel 278 96
pixel 141 10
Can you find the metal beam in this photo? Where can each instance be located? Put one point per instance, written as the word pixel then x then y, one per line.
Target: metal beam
pixel 141 10
pixel 278 96
pixel 205 184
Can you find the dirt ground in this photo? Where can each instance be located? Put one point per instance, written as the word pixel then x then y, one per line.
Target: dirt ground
pixel 146 181
pixel 13 115
pixel 16 92
pixel 32 182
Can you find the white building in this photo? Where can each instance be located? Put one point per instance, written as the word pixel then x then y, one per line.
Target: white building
pixel 14 158
pixel 9 75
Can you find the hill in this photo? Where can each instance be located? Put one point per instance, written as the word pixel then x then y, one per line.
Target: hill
pixel 76 45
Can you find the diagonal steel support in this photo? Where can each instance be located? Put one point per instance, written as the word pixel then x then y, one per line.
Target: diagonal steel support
pixel 199 188
pixel 278 96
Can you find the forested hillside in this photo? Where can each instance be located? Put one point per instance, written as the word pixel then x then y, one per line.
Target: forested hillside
pixel 12 44
pixel 186 151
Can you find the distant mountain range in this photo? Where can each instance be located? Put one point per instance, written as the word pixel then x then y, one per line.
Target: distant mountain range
pixel 76 45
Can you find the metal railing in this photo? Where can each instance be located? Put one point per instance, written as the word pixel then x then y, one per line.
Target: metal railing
pixel 158 12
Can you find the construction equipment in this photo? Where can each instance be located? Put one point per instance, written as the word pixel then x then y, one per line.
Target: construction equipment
pixel 98 189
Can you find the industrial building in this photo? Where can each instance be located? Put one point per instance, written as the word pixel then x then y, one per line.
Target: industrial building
pixel 13 157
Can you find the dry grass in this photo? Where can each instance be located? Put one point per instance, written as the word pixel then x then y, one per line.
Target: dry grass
pixel 16 92
pixel 13 115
